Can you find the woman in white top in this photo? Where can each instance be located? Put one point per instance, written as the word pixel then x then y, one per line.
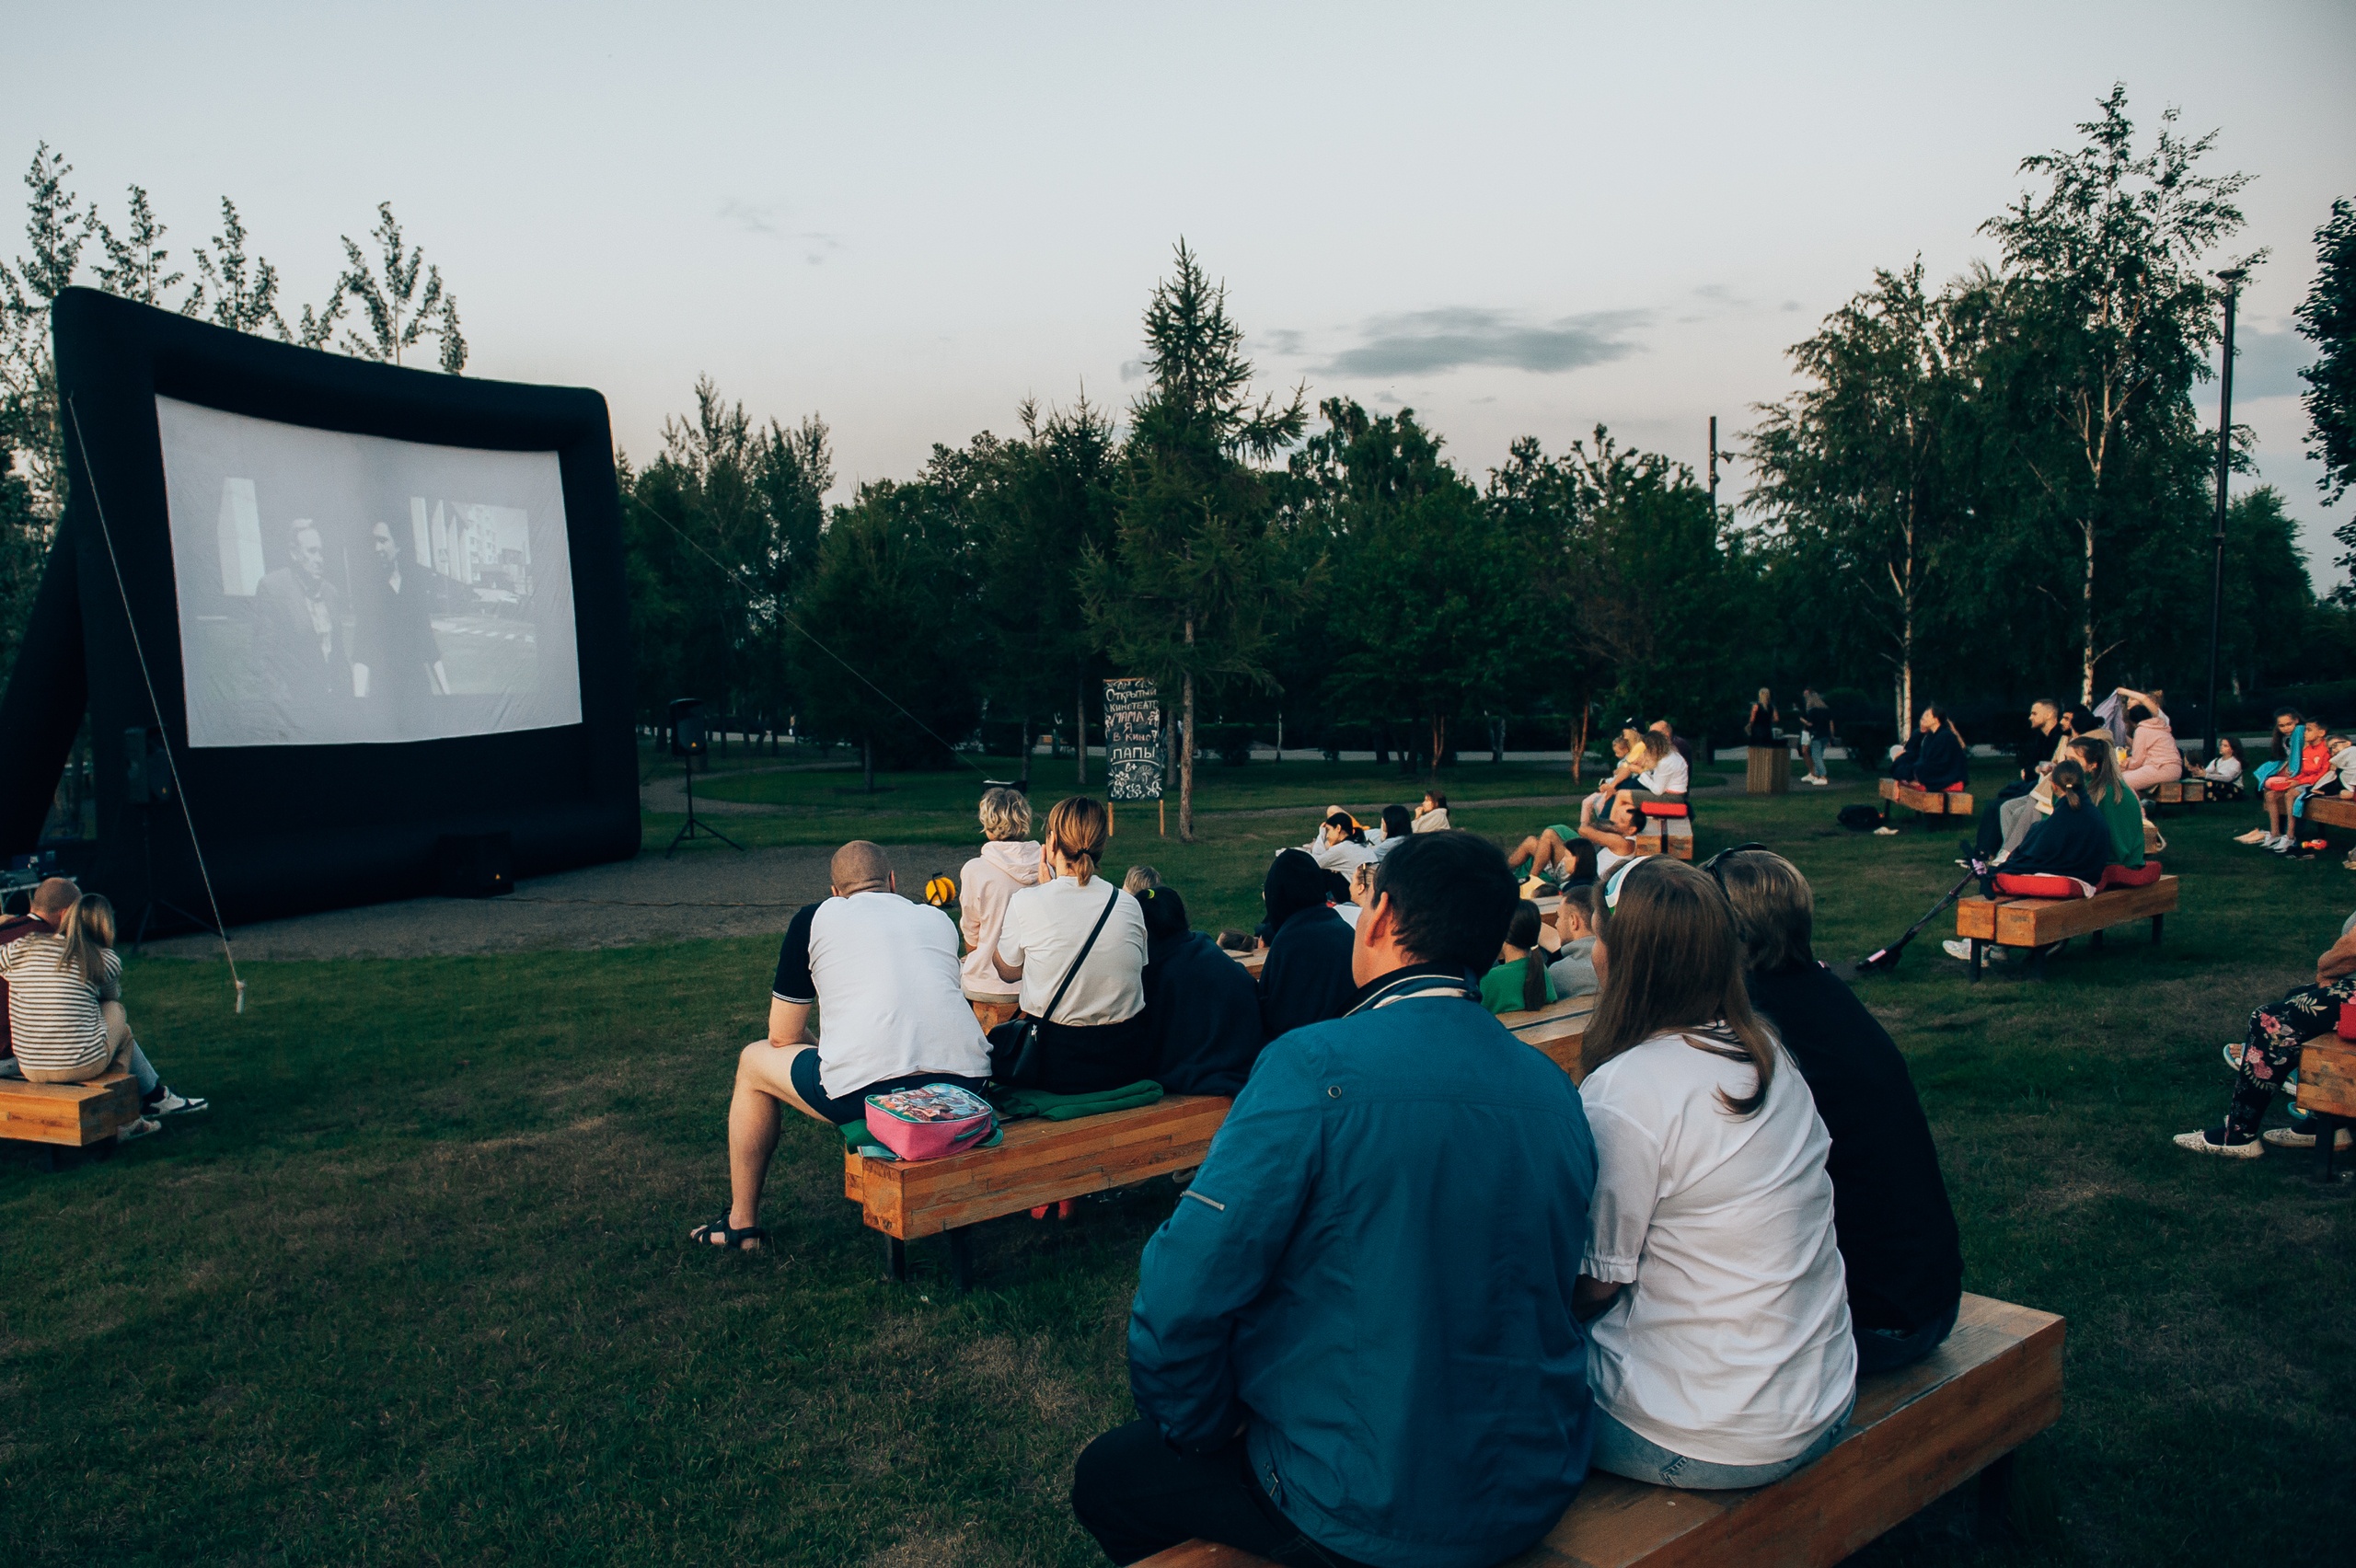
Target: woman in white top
pixel 1096 1037
pixel 1341 844
pixel 1008 863
pixel 1721 1353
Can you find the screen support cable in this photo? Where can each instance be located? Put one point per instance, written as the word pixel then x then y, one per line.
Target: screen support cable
pixel 154 705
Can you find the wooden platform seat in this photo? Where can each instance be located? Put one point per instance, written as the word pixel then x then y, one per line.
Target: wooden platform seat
pixel 72 1115
pixel 1557 1029
pixel 2327 1093
pixel 1927 802
pixel 1254 961
pixel 2190 791
pixel 2035 923
pixel 1677 846
pixel 2331 810
pixel 1039 1162
pixel 1916 1434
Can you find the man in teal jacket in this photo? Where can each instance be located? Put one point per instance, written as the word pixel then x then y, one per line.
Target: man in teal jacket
pixel 1353 1342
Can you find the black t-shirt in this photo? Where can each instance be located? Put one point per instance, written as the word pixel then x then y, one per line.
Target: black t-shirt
pixel 2036 747
pixel 793 982
pixel 1890 1203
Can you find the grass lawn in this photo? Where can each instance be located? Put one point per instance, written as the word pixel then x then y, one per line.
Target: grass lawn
pixel 417 1289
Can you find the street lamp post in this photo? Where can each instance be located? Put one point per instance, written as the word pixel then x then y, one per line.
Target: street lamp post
pixel 2232 278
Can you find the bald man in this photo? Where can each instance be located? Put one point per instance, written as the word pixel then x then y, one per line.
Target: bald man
pixel 884 973
pixel 51 901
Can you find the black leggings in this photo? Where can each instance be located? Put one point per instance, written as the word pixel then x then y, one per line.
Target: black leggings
pixel 1138 1495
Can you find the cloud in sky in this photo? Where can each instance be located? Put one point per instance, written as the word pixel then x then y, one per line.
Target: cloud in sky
pixel 769 220
pixel 2266 364
pixel 1427 342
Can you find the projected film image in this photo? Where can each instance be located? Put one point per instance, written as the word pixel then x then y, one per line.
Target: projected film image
pixel 338 588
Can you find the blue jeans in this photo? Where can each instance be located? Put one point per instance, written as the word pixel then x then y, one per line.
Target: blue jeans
pixel 1621 1452
pixel 1817 746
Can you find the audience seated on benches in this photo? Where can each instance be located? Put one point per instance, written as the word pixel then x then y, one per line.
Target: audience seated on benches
pixel 1353 1339
pixel 2222 773
pixel 884 972
pixel 1519 981
pixel 2271 1053
pixel 1201 1007
pixel 1097 1036
pixel 1721 1353
pixel 1573 970
pixel 1007 863
pixel 2122 811
pixel 2274 778
pixel 1306 977
pixel 1898 1243
pixel 1667 776
pixel 1935 759
pixel 2151 758
pixel 61 991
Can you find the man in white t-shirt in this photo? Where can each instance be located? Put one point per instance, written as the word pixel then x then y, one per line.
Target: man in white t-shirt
pixel 885 970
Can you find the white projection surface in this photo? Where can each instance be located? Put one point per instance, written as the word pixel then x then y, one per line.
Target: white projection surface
pixel 338 588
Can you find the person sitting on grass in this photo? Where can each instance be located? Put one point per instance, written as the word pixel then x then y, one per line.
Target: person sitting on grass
pixel 2282 791
pixel 2271 1054
pixel 1898 1243
pixel 1202 1010
pixel 1398 822
pixel 1519 980
pixel 60 1037
pixel 2224 771
pixel 1573 969
pixel 1340 845
pixel 2151 758
pixel 1720 1349
pixel 1615 838
pixel 1935 761
pixel 1307 976
pixel 1353 1342
pixel 1431 816
pixel 884 972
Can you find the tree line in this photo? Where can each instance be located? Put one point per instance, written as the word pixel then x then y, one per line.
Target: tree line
pixel 1979 491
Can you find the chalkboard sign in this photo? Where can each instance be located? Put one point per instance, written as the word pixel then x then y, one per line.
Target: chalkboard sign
pixel 1133 740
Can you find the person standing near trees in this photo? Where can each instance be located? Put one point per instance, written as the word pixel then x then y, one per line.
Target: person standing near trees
pixel 1816 719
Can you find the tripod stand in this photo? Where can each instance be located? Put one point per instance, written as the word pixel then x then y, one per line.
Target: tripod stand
pixel 147 910
pixel 696 828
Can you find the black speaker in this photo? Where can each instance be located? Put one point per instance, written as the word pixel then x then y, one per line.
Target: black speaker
pixel 475 865
pixel 147 772
pixel 686 726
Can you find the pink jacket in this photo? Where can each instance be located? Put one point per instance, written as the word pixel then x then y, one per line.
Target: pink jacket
pixel 2151 751
pixel 1004 866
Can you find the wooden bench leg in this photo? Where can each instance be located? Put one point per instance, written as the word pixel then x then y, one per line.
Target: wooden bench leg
pixel 2326 1128
pixel 895 1260
pixel 960 1257
pixel 1996 1494
pixel 2155 928
pixel 2037 960
pixel 1978 955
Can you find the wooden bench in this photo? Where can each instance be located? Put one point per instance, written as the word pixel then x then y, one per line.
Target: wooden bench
pixel 1680 845
pixel 1557 1029
pixel 1916 1434
pixel 2189 790
pixel 2036 923
pixel 2331 810
pixel 68 1115
pixel 1927 802
pixel 1039 1162
pixel 2327 1093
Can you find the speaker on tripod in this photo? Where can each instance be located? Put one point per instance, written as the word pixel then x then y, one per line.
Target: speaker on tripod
pixel 147 788
pixel 689 741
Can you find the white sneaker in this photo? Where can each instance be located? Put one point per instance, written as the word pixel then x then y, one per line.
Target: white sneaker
pixel 1885 833
pixel 139 1129
pixel 2291 1137
pixel 175 1103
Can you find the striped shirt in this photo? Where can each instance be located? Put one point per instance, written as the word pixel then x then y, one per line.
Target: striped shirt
pixel 54 1018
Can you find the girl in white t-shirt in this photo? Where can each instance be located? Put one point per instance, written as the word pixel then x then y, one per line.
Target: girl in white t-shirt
pixel 1720 1354
pixel 1096 1038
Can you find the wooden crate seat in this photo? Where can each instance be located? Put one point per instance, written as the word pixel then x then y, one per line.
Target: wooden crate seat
pixel 1557 1029
pixel 2327 1093
pixel 1916 1434
pixel 1929 802
pixel 73 1114
pixel 2190 791
pixel 2008 922
pixel 2331 810
pixel 1677 846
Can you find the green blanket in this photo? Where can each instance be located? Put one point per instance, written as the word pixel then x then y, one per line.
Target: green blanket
pixel 1066 1107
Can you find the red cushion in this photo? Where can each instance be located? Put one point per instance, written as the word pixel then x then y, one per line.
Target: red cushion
pixel 2143 875
pixel 1662 808
pixel 1954 788
pixel 2034 885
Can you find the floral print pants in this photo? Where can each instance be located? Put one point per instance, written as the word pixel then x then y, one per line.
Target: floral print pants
pixel 2272 1055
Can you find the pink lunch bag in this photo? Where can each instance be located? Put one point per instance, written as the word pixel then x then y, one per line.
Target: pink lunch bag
pixel 929 1121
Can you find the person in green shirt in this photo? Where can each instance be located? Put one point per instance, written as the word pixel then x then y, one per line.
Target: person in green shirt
pixel 1517 982
pixel 2119 808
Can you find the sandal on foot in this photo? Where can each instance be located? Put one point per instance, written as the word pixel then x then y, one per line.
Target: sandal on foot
pixel 717 1232
pixel 2217 1141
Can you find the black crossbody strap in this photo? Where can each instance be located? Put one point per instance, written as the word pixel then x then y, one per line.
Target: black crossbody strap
pixel 1073 973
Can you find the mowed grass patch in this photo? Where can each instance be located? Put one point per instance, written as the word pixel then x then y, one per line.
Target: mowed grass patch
pixel 417 1289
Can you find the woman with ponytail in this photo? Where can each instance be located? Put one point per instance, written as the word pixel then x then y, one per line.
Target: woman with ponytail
pixel 1719 1345
pixel 1517 982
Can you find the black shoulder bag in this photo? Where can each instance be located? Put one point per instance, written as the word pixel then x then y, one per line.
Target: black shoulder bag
pixel 1014 1045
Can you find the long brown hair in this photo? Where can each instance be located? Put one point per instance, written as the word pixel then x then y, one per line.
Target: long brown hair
pixel 1077 828
pixel 1676 968
pixel 1521 932
pixel 87 930
pixel 2101 768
